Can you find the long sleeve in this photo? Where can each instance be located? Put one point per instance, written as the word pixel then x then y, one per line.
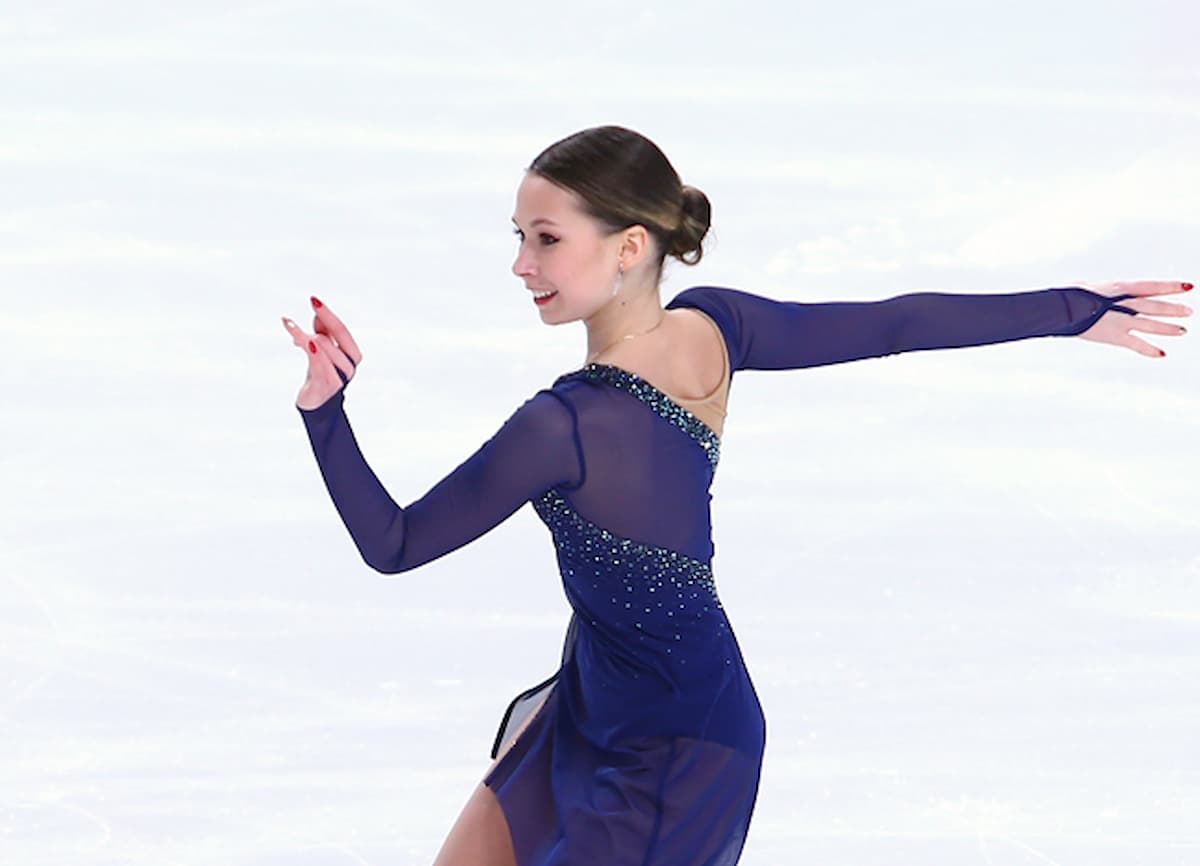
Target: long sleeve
pixel 766 334
pixel 536 449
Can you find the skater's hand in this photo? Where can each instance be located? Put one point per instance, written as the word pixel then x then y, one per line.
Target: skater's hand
pixel 332 353
pixel 1115 326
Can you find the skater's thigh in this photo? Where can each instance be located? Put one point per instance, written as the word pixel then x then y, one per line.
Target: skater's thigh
pixel 480 836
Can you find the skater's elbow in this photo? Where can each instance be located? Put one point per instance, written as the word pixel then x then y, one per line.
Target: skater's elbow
pixel 385 559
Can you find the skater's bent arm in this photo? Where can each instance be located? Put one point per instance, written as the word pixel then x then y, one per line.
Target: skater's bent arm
pixel 536 449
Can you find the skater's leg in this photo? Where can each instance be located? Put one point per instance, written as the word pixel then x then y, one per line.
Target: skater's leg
pixel 480 836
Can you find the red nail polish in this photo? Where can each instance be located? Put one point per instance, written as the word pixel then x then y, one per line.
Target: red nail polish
pixel 312 347
pixel 316 302
pixel 1161 353
pixel 1187 287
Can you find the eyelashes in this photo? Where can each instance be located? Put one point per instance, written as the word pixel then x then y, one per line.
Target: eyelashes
pixel 546 239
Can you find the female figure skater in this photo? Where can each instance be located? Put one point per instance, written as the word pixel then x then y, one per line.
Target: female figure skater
pixel 645 747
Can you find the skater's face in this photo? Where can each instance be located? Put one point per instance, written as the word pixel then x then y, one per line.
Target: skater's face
pixel 564 254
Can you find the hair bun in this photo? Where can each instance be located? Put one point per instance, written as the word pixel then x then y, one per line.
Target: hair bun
pixel 623 179
pixel 694 221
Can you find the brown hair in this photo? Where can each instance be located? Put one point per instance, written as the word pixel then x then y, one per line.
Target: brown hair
pixel 625 180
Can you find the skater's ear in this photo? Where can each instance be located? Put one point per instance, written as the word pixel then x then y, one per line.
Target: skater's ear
pixel 636 246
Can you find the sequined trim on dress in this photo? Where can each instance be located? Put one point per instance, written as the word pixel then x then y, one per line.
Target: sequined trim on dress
pixel 658 564
pixel 667 408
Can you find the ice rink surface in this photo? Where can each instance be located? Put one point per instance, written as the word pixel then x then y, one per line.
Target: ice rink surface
pixel 967 583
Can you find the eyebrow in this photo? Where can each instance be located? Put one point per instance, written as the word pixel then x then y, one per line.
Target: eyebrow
pixel 536 222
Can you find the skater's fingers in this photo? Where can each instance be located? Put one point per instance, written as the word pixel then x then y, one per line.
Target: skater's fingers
pixel 1140 346
pixel 327 323
pixel 1153 326
pixel 1137 288
pixel 1157 308
pixel 299 336
pixel 342 364
pixel 1142 288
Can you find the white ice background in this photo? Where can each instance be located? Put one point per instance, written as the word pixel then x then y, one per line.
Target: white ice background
pixel 967 582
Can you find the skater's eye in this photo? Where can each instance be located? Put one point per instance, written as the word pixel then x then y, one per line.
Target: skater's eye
pixel 544 238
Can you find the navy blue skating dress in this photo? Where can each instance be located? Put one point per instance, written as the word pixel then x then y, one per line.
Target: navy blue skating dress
pixel 644 748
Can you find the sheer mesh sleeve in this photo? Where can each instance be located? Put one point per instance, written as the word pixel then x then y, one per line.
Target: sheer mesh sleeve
pixel 766 334
pixel 537 448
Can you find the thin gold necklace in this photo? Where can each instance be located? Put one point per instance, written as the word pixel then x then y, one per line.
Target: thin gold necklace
pixel 592 357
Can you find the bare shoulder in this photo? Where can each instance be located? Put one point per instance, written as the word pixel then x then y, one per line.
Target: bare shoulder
pixel 685 358
pixel 699 356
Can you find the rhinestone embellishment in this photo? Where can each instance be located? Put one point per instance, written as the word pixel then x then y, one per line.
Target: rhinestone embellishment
pixel 663 405
pixel 661 594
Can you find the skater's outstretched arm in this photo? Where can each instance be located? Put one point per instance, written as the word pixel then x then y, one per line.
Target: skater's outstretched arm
pixel 536 449
pixel 767 334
